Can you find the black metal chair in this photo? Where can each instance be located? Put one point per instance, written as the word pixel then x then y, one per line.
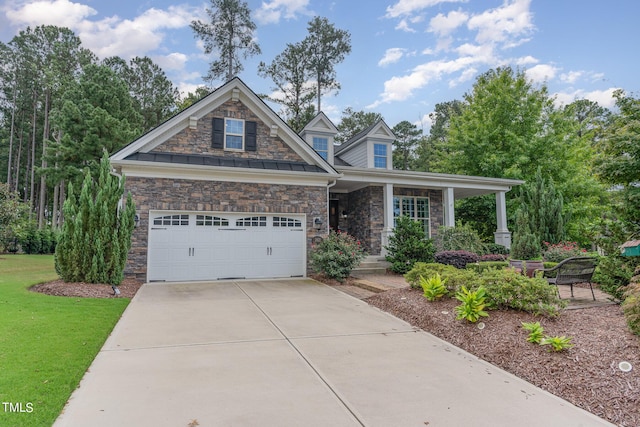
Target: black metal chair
pixel 571 271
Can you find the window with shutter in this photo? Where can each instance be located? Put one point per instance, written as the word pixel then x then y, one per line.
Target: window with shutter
pixel 234 134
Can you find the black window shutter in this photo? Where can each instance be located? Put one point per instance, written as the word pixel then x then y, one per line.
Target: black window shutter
pixel 217 136
pixel 250 136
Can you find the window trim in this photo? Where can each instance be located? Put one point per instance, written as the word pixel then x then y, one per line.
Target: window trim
pixel 414 201
pixel 325 140
pixel 241 134
pixel 378 156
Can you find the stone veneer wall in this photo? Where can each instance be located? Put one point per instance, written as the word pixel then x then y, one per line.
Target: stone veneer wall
pixel 366 217
pixel 436 208
pixel 211 196
pixel 198 141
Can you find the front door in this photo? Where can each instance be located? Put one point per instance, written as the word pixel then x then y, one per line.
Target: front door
pixel 334 215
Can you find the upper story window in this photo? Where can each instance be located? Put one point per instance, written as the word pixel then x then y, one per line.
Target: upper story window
pixel 321 145
pixel 380 156
pixel 233 134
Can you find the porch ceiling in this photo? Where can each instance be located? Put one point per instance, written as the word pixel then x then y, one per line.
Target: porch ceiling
pixel 464 186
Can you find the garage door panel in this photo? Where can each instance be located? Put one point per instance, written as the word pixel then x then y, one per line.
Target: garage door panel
pixel 209 246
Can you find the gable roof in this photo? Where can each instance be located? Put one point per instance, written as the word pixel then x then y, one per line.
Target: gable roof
pixel 234 89
pixel 320 123
pixel 379 130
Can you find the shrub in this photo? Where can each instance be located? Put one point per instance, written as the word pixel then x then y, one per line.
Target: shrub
pixel 493 257
pixel 458 238
pixel 561 251
pixel 631 307
pixel 433 287
pixel 408 245
pixel 337 255
pixel 96 234
pixel 613 274
pixel 473 304
pixel 454 277
pixel 525 243
pixel 481 266
pixel 508 289
pixel 458 259
pixel 496 249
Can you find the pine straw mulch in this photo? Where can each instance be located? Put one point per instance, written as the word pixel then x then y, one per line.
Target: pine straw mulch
pixel 587 375
pixel 128 289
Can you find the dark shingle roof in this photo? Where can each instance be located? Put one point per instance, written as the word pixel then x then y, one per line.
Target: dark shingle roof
pixel 193 159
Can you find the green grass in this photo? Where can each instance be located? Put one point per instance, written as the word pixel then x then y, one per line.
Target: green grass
pixel 46 342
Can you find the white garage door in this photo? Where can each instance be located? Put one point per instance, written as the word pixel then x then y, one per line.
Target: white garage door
pixel 186 246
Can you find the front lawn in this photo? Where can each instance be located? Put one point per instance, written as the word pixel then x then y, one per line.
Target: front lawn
pixel 46 342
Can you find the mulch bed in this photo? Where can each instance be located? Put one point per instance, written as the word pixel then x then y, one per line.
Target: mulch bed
pixel 128 289
pixel 586 375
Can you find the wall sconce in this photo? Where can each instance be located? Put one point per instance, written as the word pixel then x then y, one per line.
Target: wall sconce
pixel 345 214
pixel 136 221
pixel 317 222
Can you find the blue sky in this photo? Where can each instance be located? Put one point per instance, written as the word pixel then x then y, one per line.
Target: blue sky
pixel 407 55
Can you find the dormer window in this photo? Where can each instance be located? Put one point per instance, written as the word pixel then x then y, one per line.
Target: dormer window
pixel 321 145
pixel 380 156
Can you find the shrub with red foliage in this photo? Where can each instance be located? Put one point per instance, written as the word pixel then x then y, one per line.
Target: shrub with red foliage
pixel 458 259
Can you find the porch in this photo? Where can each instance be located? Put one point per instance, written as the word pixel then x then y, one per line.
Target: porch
pixel 364 202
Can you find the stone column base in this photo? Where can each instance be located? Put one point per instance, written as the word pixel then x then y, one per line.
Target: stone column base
pixel 385 240
pixel 503 238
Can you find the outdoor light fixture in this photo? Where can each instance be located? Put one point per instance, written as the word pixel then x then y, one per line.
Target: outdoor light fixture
pixel 116 291
pixel 317 222
pixel 345 214
pixel 136 221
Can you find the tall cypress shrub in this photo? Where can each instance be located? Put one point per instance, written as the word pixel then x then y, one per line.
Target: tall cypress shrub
pixel 96 234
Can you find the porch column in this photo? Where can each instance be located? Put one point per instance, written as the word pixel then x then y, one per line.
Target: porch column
pixel 502 234
pixel 449 212
pixel 388 216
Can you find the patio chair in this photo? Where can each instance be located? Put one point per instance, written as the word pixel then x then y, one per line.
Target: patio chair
pixel 571 271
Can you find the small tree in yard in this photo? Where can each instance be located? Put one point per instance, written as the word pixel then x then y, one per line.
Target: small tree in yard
pixel 408 245
pixel 96 234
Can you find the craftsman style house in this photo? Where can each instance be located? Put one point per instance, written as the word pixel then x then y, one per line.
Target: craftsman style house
pixel 225 189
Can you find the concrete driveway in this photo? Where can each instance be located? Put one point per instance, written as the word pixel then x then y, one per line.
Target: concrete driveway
pixel 292 353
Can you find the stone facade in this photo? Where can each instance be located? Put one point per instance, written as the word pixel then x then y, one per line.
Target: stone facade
pixel 366 217
pixel 365 210
pixel 211 196
pixel 198 141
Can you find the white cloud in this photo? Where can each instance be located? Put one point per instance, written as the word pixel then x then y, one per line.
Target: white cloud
pixel 541 73
pixel 408 7
pixel 506 24
pixel 603 97
pixel 271 12
pixel 62 13
pixel 466 75
pixel 526 60
pixel 403 25
pixel 173 61
pixel 444 25
pixel 402 88
pixel 391 56
pixel 571 77
pixel 108 36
